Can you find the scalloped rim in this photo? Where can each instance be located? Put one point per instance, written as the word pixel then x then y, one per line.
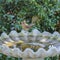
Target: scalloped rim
pixel 52 51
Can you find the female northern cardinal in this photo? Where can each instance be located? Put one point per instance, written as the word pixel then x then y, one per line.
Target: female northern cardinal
pixel 25 26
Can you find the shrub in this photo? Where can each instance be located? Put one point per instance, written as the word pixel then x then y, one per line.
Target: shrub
pixel 12 12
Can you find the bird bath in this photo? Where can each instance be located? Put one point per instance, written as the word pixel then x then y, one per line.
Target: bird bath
pixel 31 45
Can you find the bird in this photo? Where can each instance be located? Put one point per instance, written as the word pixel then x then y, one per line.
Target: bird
pixel 26 26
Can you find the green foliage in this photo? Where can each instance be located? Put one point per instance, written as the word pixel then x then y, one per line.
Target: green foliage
pixel 12 12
